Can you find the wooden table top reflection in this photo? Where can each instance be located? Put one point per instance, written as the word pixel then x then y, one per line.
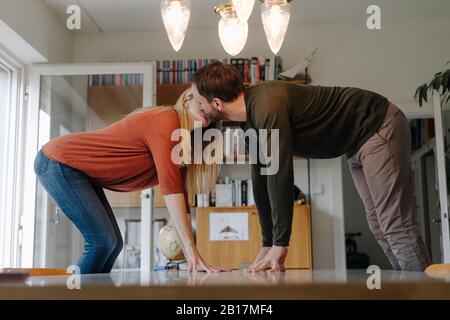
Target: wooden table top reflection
pixel 235 285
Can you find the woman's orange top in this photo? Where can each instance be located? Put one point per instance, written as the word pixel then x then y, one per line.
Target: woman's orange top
pixel 130 155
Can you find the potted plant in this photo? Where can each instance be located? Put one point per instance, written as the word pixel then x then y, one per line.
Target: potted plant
pixel 440 83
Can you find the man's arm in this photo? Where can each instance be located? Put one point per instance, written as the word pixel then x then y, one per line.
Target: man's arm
pixel 272 115
pixel 262 201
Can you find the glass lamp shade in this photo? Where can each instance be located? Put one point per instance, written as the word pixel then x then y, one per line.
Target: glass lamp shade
pixel 232 31
pixel 243 8
pixel 175 15
pixel 275 16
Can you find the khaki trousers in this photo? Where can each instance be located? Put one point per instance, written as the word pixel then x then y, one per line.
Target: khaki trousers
pixel 381 170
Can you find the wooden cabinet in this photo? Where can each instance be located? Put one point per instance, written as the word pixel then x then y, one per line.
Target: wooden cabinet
pixel 233 253
pixel 168 94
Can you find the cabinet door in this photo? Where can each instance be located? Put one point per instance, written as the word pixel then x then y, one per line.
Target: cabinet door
pixel 233 254
pixel 442 126
pixel 228 253
pixel 299 252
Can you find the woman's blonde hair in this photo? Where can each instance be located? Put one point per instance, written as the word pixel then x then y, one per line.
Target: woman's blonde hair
pixel 199 178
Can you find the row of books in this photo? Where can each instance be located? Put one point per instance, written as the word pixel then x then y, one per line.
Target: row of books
pixel 252 70
pixel 258 69
pixel 126 79
pixel 228 193
pixel 178 71
pixel 422 130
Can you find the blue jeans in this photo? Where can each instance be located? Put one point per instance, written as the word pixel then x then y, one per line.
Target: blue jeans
pixel 87 207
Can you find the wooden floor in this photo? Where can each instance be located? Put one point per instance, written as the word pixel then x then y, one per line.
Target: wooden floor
pixel 293 284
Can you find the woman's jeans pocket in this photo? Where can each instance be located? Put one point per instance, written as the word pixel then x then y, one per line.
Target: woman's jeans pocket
pixel 40 163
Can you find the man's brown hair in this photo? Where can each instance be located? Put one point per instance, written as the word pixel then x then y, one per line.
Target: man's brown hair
pixel 219 80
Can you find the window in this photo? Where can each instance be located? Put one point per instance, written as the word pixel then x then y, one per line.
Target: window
pixel 4 88
pixel 10 109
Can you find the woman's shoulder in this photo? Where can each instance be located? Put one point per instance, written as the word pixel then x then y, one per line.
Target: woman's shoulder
pixel 153 112
pixel 162 117
pixel 164 113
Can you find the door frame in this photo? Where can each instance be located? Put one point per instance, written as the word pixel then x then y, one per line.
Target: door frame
pixel 434 110
pixel 442 176
pixel 148 70
pixel 10 232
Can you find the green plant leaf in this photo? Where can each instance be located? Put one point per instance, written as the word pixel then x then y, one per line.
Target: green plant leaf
pixel 420 97
pixel 424 93
pixel 421 93
pixel 416 94
pixel 447 84
pixel 432 84
pixel 447 98
pixel 445 81
pixel 437 83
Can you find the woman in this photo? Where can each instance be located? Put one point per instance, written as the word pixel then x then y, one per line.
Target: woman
pixel 130 155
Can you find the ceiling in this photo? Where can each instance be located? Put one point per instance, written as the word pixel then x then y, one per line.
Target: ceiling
pixel 144 15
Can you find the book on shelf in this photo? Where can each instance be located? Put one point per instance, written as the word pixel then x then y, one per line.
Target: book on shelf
pixel 252 70
pixel 108 80
pixel 422 131
pixel 224 195
pixel 233 193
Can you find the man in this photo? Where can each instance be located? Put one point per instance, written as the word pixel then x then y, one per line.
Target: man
pixel 323 122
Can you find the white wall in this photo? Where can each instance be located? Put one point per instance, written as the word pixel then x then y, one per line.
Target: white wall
pixel 38 26
pixel 392 61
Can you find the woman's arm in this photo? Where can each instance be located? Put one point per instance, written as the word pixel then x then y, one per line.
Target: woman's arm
pixel 176 205
pixel 158 139
pixel 177 209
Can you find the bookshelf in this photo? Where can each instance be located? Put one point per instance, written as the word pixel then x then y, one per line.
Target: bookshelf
pixel 169 73
pixel 252 69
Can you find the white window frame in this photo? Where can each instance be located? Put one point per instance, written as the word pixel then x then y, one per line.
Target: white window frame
pixel 10 224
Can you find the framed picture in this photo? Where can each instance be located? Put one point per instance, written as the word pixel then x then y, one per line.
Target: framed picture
pixel 228 226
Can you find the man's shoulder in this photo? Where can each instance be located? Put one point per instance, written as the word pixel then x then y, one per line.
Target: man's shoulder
pixel 267 91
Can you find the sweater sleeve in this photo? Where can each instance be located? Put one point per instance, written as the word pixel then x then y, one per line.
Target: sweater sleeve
pixel 158 140
pixel 272 113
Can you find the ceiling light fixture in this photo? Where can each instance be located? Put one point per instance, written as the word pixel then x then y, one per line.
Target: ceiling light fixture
pixel 175 15
pixel 275 16
pixel 243 8
pixel 232 31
